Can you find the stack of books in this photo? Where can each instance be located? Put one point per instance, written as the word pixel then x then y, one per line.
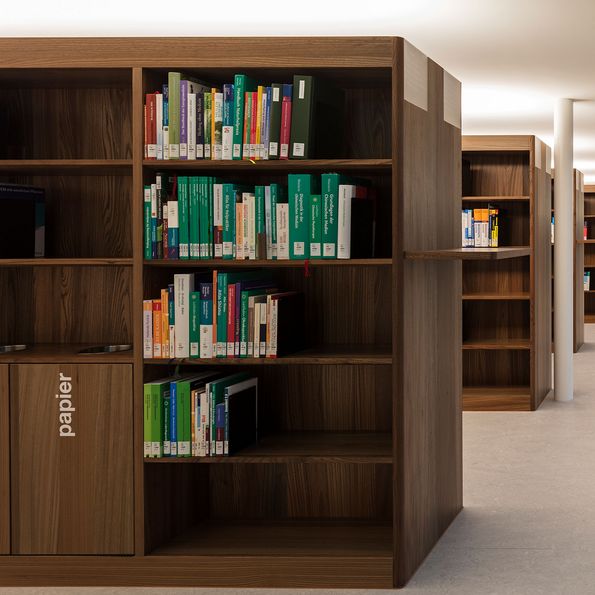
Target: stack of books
pixel 189 119
pixel 200 415
pixel 202 217
pixel 480 228
pixel 225 315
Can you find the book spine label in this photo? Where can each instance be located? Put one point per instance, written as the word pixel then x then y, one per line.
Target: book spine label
pixel 147 429
pixel 238 118
pixel 221 314
pixel 253 123
pixel 165 116
pixel 194 324
pixel 183 119
pixel 171 319
pixel 282 231
pixel 228 116
pixel 148 328
pixel 285 122
pixel 315 227
pixel 159 124
pixel 330 189
pixel 173 418
pixel 183 286
pixel 191 126
pixel 148 249
pixel 218 220
pixel 229 221
pixel 217 151
pixel 173 84
pixel 231 314
pixel 299 196
pixel 156 422
pixel 156 328
pixel 183 218
pixel 200 126
pixel 206 320
pixel 346 193
pixel 258 130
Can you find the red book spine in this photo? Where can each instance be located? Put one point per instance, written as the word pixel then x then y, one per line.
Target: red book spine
pixel 238 307
pixel 151 126
pixel 253 117
pixel 231 319
pixel 285 128
pixel 146 135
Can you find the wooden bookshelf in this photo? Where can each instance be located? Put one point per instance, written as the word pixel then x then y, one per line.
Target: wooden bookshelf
pixel 331 496
pixel 507 302
pixel 588 251
pixel 579 294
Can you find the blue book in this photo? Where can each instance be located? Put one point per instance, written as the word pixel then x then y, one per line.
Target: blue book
pixel 228 116
pixel 173 419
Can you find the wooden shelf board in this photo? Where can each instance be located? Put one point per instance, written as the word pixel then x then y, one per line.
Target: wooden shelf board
pixel 523 295
pixel 497 344
pixel 306 447
pixel 589 241
pixel 497 398
pixel 495 198
pixel 589 318
pixel 325 355
pixel 280 165
pixel 64 262
pixel 67 166
pixel 298 538
pixel 469 253
pixel 48 353
pixel 220 263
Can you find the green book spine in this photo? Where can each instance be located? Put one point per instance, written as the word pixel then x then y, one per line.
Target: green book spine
pixel 166 437
pixel 183 219
pixel 208 106
pixel 301 117
pixel 147 428
pixel 299 198
pixel 184 429
pixel 173 108
pixel 275 120
pixel 330 212
pixel 194 324
pixel 148 248
pixel 260 223
pixel 315 226
pixel 221 314
pixel 211 221
pixel 194 216
pixel 242 83
pixel 244 322
pixel 156 421
pixel 229 221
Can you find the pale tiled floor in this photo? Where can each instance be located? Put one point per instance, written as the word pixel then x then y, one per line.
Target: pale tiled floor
pixel 528 526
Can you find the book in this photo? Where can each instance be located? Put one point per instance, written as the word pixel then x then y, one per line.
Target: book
pixel 194 332
pixel 260 238
pixel 218 219
pixel 282 221
pixel 266 121
pixel 258 152
pixel 285 130
pixel 330 207
pixel 253 124
pixel 183 287
pixel 164 323
pixel 173 84
pixel 193 217
pixel 587 281
pixel 159 124
pixel 206 320
pixel 240 416
pixel 154 219
pixel 147 422
pixel 147 246
pixel 228 118
pixel 285 323
pixel 151 126
pixel 200 126
pixel 247 125
pixel 217 129
pixel 228 220
pixel 208 123
pixel 171 320
pixel 315 226
pixel 191 126
pixel 173 237
pixel 183 218
pixel 156 328
pixel 148 328
pixel 275 120
pixel 165 119
pixel 300 187
pixel 242 85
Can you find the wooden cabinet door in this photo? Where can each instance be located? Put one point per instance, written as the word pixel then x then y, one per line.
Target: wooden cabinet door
pixel 4 463
pixel 71 458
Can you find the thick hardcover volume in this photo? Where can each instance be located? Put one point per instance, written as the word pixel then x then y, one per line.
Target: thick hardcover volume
pixel 315 226
pixel 200 126
pixel 300 187
pixel 241 415
pixel 206 320
pixel 147 426
pixel 208 122
pixel 158 390
pixel 154 219
pixel 218 219
pixel 275 120
pixel 228 117
pixel 242 84
pixel 282 228
pixel 231 320
pixel 173 85
pixel 346 194
pixel 156 328
pixel 316 119
pixel 194 324
pixel 184 119
pixel 148 249
pixel 240 223
pixel 260 223
pixel 173 237
pixel 193 216
pixel 183 218
pixel 151 126
pixel 159 124
pixel 250 224
pixel 148 328
pixel 266 110
pixel 285 314
pixel 160 215
pixel 183 287
pixel 165 93
pixel 165 418
pixel 204 442
pixel 217 126
pixel 330 209
pixel 164 323
pixel 286 124
pixel 243 314
pixel 173 419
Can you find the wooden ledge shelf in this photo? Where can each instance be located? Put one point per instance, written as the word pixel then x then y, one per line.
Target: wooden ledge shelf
pixel 497 344
pixel 589 318
pixel 219 263
pixel 589 241
pixel 49 353
pixel 523 295
pixel 67 166
pixel 305 447
pixel 65 262
pixel 324 355
pixel 280 165
pixel 497 398
pixel 502 198
pixel 469 253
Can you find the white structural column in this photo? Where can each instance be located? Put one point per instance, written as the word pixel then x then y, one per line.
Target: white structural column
pixel 563 251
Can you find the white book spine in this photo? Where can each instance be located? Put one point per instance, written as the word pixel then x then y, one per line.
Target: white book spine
pixel 273 320
pixel 268 222
pixel 346 193
pixel 166 142
pixel 206 341
pixel 263 321
pixel 148 329
pixel 477 234
pixel 464 229
pixel 245 223
pixel 251 227
pixel 485 240
pixel 153 192
pixel 227 139
pixel 183 286
pixel 283 231
pixel 191 125
pixel 255 332
pixel 218 216
pixel 218 110
pixel 159 122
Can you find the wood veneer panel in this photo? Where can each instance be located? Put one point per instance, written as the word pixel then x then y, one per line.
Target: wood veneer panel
pixel 468 253
pixel 71 495
pixel 289 165
pixel 498 367
pixel 502 277
pixel 427 415
pixel 495 174
pixel 4 461
pixel 497 143
pixel 51 353
pixel 496 321
pixel 484 398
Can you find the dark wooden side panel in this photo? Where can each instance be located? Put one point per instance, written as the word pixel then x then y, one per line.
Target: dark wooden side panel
pixel 4 462
pixel 427 431
pixel 541 281
pixel 71 494
pixel 579 261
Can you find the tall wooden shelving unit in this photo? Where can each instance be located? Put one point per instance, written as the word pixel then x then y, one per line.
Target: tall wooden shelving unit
pixel 589 247
pixel 579 261
pixel 507 304
pixel 358 472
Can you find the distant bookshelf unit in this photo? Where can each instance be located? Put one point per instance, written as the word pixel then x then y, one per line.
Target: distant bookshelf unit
pixel 589 248
pixel 358 470
pixel 507 303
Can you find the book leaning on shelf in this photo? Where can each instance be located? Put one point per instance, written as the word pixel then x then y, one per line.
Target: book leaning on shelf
pixel 200 415
pixel 190 119
pixel 480 228
pixel 223 315
pixel 204 217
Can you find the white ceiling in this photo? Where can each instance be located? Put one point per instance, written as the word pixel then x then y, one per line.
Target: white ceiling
pixel 514 57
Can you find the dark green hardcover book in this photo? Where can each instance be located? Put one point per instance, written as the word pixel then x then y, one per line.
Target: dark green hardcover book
pixel 315 226
pixel 317 119
pixel 194 324
pixel 242 83
pixel 259 223
pixel 183 219
pixel 204 216
pixel 147 427
pixel 194 217
pixel 300 187
pixel 275 120
pixel 211 221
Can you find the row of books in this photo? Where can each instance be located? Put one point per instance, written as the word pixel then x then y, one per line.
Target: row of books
pixel 202 217
pixel 480 228
pixel 225 315
pixel 587 281
pixel 585 229
pixel 190 119
pixel 200 415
